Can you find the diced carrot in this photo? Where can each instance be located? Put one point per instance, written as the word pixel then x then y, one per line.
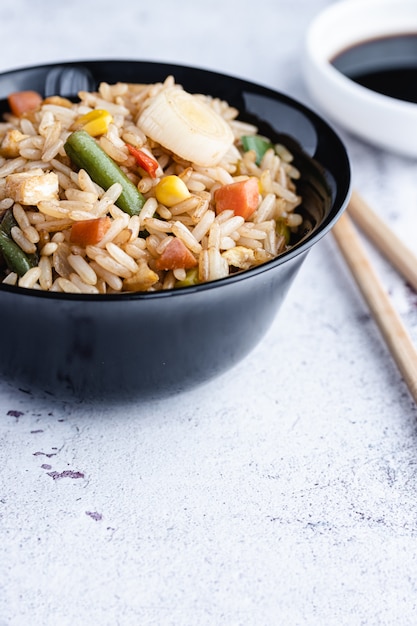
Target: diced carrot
pixel 21 102
pixel 89 232
pixel 146 162
pixel 176 256
pixel 241 197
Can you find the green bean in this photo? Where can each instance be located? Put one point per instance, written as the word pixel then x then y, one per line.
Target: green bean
pixel 85 153
pixel 8 222
pixel 16 260
pixel 6 225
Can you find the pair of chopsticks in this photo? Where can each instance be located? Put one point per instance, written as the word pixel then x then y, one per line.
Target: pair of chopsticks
pixel 405 262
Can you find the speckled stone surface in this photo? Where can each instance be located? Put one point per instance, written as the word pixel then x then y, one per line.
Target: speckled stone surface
pixel 282 493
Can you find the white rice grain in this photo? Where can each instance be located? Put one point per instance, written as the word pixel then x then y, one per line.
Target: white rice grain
pixel 93 251
pixel 31 154
pixel 56 287
pixel 148 209
pixel 195 185
pixel 164 212
pixel 231 225
pixel 78 195
pixel 121 257
pixel 169 281
pixel 27 127
pixel 134 227
pixel 203 226
pixel 82 286
pixel 67 285
pixel 281 191
pixel 116 153
pixel 284 153
pixel 223 216
pixel 112 266
pixel 11 166
pixel 58 237
pixel 86 184
pixel 45 277
pixel 31 234
pixel 152 244
pixel 49 248
pixel 117 226
pixel 83 269
pixel 189 204
pixel 10 279
pixel 183 233
pixel 19 237
pixel 6 203
pixel 35 217
pixel 203 266
pixel 112 280
pixel 30 278
pixel 145 184
pixel 266 208
pixel 60 113
pixel 247 230
pixel 54 226
pixel 218 266
pixel 214 236
pixel 152 224
pixel 227 243
pixel 180 274
pixel 53 142
pixel 249 243
pixel 135 251
pixel 20 216
pixel 270 243
pixel 80 215
pixel 294 220
pixel 163 244
pixel 202 207
pixel 52 209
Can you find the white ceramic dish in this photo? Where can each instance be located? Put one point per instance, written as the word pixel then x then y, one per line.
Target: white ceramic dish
pixel 382 120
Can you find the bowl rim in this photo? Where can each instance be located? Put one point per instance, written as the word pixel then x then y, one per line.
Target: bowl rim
pixel 298 249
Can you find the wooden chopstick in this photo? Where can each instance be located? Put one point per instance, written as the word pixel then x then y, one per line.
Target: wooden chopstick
pixel 389 322
pixel 384 238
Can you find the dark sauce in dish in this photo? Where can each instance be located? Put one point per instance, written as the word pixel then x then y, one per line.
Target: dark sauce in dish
pixel 387 65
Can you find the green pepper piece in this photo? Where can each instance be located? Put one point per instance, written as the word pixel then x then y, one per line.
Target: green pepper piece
pixel 283 229
pixel 16 260
pixel 190 279
pixel 85 153
pixel 256 143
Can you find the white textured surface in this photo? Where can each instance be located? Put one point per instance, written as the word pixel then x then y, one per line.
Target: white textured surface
pixel 283 493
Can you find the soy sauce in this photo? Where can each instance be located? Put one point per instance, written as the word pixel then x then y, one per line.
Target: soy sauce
pixel 387 65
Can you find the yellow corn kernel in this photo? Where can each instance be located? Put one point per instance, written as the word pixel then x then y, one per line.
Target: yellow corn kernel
pixel 171 190
pixel 95 122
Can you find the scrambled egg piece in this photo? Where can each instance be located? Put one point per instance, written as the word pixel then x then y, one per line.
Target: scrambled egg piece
pixel 10 144
pixel 32 187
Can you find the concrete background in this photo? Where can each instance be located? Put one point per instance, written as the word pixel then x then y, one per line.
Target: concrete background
pixel 282 493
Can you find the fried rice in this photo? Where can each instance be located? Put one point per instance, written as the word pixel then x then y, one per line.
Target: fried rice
pixel 127 257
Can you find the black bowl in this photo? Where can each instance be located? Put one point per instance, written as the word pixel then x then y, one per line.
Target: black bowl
pixel 156 344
